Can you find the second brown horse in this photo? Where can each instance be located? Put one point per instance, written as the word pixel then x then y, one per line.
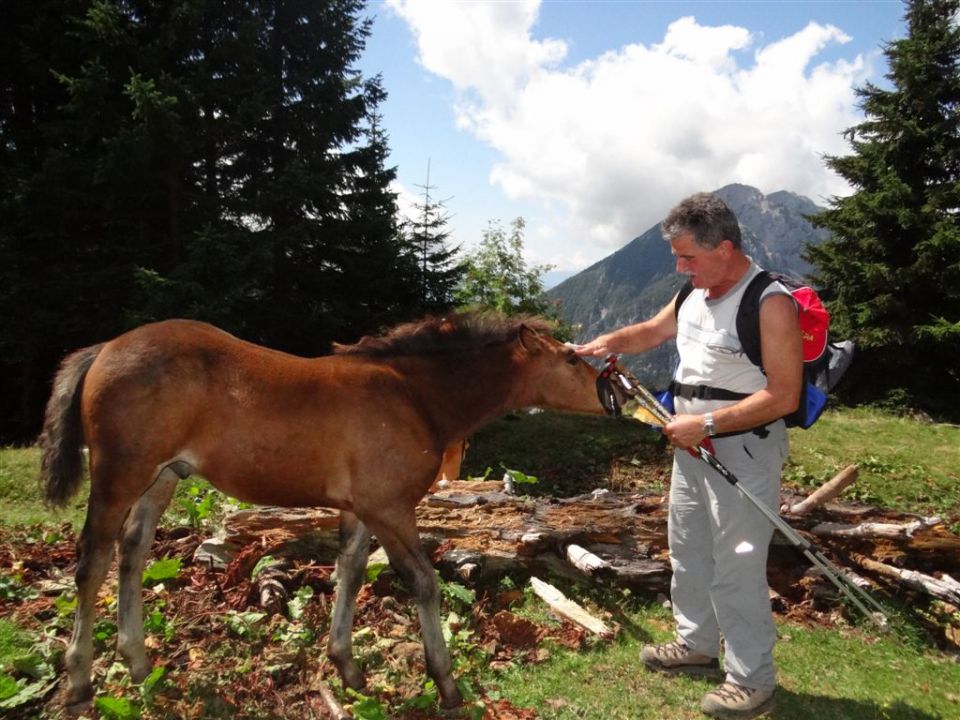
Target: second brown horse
pixel 363 430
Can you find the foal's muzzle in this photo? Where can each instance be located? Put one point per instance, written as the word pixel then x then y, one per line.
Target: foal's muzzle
pixel 611 393
pixel 608 395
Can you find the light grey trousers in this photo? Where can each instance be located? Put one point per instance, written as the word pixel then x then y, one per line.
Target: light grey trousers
pixel 718 550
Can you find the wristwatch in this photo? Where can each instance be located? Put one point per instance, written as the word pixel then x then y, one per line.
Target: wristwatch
pixel 708 427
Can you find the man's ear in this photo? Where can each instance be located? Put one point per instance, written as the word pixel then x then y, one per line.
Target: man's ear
pixel 530 339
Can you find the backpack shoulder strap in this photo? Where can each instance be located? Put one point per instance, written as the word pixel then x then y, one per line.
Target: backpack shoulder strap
pixel 748 316
pixel 681 296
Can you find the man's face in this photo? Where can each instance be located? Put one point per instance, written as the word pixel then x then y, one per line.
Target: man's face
pixel 706 267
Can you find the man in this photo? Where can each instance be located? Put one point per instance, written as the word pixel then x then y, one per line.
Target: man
pixel 719 542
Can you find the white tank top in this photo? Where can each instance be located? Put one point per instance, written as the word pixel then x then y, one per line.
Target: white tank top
pixel 710 350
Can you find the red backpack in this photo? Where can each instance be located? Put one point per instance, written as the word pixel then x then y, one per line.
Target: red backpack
pixel 823 362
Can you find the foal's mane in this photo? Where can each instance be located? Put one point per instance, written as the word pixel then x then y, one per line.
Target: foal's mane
pixel 433 335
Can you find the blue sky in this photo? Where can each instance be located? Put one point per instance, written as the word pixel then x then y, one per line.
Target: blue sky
pixel 590 119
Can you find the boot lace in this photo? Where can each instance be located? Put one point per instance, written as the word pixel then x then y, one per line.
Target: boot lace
pixel 674 650
pixel 732 693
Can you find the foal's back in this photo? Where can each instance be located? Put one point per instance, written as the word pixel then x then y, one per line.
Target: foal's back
pixel 262 425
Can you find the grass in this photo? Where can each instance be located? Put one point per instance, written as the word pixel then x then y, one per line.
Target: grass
pixel 824 674
pixel 569 454
pixel 20 492
pixel 14 641
pixel 904 464
pixel 196 502
pixel 840 672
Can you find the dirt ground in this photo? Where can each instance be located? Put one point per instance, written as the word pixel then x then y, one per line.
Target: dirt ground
pixel 224 647
pixel 221 659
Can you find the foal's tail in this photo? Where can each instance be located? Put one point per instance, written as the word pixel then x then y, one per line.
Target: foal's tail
pixel 61 462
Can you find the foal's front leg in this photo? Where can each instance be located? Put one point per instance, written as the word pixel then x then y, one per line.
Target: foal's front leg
pixel 397 532
pixel 351 572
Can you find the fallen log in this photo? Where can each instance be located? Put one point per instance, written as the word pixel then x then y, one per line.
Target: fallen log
pixel 477 533
pixel 825 493
pixel 569 610
pixel 949 582
pixel 912 578
pixel 875 529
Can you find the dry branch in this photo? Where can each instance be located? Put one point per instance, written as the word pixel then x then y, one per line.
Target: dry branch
pixel 568 609
pixel 330 705
pixel 825 493
pixel 584 560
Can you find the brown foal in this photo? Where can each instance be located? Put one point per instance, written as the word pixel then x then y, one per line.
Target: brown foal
pixel 363 430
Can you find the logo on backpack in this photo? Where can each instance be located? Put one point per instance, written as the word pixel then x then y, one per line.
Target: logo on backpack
pixel 824 362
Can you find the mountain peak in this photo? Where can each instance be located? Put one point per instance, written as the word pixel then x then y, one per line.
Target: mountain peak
pixel 737 194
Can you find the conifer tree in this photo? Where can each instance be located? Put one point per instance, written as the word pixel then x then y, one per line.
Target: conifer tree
pixel 438 268
pixel 221 161
pixel 893 262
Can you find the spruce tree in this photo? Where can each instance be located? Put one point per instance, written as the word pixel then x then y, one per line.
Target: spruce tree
pixel 221 161
pixel 893 262
pixel 438 268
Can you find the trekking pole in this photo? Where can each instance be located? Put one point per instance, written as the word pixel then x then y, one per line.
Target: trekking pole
pixel 853 592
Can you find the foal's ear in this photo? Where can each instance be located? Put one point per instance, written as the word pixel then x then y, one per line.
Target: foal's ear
pixel 530 339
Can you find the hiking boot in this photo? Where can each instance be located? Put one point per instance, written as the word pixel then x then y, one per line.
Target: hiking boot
pixel 736 701
pixel 676 657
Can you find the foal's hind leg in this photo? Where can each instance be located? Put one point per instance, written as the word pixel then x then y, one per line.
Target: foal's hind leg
pixel 95 553
pixel 400 539
pixel 351 571
pixel 138 533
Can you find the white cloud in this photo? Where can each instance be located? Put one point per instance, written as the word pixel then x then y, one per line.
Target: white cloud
pixel 407 201
pixel 481 47
pixel 615 141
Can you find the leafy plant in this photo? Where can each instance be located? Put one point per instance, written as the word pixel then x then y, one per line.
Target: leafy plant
pixel 12 588
pixel 162 571
pixel 117 708
pixel 198 504
pixel 103 630
pixel 156 623
pixel 366 708
pixel 15 693
pixel 518 477
pixel 299 601
pixel 152 683
pixel 247 625
pixel 262 564
pixel 457 595
pixel 374 570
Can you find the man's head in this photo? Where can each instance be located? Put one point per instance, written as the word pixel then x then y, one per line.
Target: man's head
pixel 707 218
pixel 705 238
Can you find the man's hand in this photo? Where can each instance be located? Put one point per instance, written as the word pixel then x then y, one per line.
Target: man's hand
pixel 598 347
pixel 685 431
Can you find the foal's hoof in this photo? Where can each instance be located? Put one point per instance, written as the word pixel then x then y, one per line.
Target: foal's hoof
pixel 77 701
pixel 352 677
pixel 459 712
pixel 451 704
pixel 140 671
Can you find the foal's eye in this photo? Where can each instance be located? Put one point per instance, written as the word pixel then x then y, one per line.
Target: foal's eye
pixel 573 358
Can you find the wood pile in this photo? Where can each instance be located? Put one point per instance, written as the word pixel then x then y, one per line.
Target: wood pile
pixel 477 533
